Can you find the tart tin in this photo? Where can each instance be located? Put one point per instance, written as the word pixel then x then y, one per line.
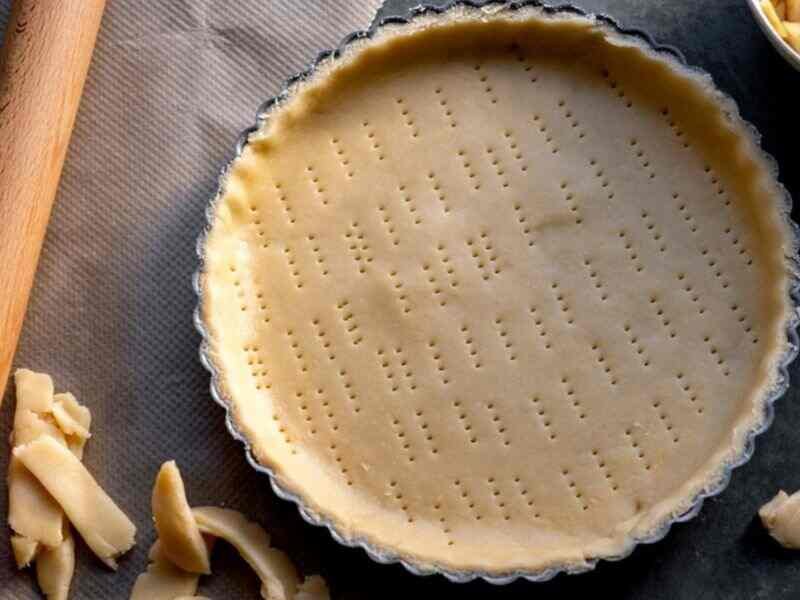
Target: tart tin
pixel 781 378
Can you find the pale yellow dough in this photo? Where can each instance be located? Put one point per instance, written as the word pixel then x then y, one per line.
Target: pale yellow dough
pixel 101 523
pixel 176 559
pixel 498 291
pixel 32 512
pixel 181 541
pixel 55 567
pixel 781 517
pixel 72 418
pixel 313 588
pixel 278 576
pixel 29 426
pixel 24 550
pixel 34 391
pixel 76 445
pixel 163 580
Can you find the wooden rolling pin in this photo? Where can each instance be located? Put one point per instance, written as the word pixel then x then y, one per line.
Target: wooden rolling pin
pixel 45 58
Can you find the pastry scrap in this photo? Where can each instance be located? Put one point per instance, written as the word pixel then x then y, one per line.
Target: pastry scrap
pixel 278 576
pixel 534 267
pixel 781 517
pixel 55 567
pixel 101 523
pixel 34 391
pixel 180 537
pixel 163 580
pixel 32 513
pixel 175 566
pixel 72 418
pixel 313 588
pixel 24 550
pixel 42 533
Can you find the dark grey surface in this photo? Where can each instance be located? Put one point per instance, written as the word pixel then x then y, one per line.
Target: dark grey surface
pixel 721 554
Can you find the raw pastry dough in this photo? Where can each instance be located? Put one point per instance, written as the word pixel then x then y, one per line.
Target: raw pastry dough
pixel 24 550
pixel 163 580
pixel 498 291
pixel 313 588
pixel 75 420
pixel 32 512
pixel 180 528
pixel 76 445
pixel 103 526
pixel 278 576
pixel 72 418
pixel 29 426
pixel 180 537
pixel 55 567
pixel 781 517
pixel 34 391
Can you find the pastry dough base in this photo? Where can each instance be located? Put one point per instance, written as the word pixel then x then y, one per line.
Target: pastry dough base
pixel 498 293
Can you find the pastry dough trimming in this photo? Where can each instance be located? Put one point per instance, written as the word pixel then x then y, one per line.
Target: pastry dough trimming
pixel 33 512
pixel 163 580
pixel 55 567
pixel 279 580
pixel 101 523
pixel 181 541
pixel 781 517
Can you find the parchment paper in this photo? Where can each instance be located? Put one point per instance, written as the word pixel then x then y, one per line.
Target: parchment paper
pixel 171 85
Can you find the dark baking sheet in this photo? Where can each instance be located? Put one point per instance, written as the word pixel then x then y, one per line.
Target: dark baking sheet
pixel 723 553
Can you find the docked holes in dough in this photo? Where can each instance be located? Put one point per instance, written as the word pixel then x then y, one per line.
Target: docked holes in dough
pixel 24 549
pixel 101 523
pixel 278 576
pixel 72 418
pixel 313 588
pixel 55 567
pixel 162 580
pixel 181 541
